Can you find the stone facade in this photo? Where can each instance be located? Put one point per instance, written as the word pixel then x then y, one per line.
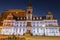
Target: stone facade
pixel 22 22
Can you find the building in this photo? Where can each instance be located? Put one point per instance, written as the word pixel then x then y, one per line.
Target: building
pixel 23 22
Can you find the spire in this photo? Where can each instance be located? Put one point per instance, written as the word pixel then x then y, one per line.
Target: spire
pixel 29 4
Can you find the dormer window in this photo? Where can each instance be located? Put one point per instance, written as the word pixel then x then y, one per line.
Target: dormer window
pixel 18 18
pixel 40 17
pixel 24 17
pixel 21 18
pixel 37 18
pixel 33 18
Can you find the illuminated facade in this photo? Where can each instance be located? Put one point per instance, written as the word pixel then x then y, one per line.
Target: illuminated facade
pixel 19 22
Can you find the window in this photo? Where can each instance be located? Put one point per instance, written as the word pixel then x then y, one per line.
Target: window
pixel 21 18
pixel 37 22
pixel 37 18
pixel 33 25
pixel 24 17
pixel 23 25
pixel 20 30
pixel 20 25
pixel 55 22
pixel 33 18
pixel 18 18
pixel 23 22
pixel 33 22
pixel 40 17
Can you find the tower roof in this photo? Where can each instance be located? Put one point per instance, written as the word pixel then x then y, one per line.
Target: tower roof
pixel 29 4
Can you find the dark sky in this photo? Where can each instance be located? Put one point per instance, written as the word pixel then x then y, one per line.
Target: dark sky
pixel 40 7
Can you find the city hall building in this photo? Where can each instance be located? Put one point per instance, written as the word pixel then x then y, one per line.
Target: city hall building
pixel 23 22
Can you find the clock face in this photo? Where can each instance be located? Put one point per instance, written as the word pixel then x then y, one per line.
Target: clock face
pixel 28 11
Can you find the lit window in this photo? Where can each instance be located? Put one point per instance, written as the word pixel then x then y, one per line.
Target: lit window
pixel 21 18
pixel 37 18
pixel 33 18
pixel 40 17
pixel 43 25
pixel 24 17
pixel 18 18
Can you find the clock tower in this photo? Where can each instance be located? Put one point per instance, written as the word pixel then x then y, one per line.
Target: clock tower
pixel 29 11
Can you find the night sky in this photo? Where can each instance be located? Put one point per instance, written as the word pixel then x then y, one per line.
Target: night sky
pixel 40 7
